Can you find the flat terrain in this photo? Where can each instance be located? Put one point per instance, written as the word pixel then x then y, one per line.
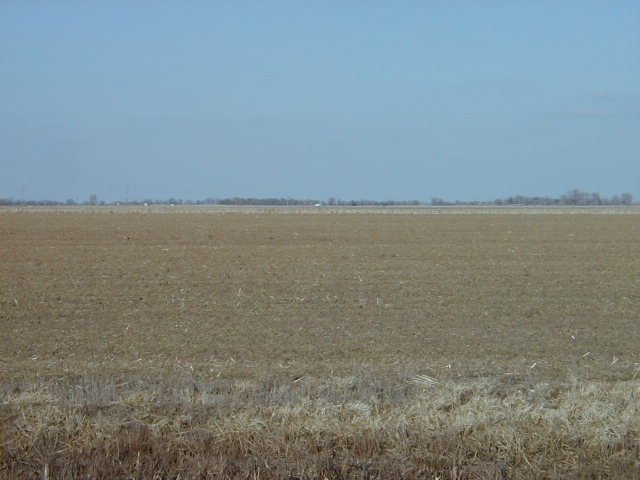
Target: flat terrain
pixel 244 295
pixel 269 298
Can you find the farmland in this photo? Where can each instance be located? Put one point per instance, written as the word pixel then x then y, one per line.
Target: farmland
pixel 267 343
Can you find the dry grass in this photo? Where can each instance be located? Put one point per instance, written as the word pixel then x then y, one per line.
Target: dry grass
pixel 354 427
pixel 267 345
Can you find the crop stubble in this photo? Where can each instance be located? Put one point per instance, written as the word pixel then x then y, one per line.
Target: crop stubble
pixel 274 299
pixel 244 295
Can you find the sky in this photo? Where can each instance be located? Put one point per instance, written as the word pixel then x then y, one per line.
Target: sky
pixel 307 99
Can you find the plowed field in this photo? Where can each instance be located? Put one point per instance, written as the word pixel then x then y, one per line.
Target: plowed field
pixel 244 295
pixel 151 309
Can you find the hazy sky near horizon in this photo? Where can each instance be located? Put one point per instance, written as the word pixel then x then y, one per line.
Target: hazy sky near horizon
pixel 375 100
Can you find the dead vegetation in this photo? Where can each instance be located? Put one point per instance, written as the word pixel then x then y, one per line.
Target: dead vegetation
pixel 353 427
pixel 250 345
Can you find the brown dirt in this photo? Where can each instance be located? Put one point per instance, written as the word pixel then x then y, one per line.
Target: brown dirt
pixel 269 298
pixel 247 295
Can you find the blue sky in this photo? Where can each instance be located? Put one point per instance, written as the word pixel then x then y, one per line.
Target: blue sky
pixel 376 100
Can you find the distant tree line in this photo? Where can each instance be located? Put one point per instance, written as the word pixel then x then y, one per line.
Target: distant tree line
pixel 572 197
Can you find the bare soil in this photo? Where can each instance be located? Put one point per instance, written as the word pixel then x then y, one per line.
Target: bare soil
pixel 249 301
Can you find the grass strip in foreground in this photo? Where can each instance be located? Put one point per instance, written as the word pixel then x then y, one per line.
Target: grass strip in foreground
pixel 347 427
